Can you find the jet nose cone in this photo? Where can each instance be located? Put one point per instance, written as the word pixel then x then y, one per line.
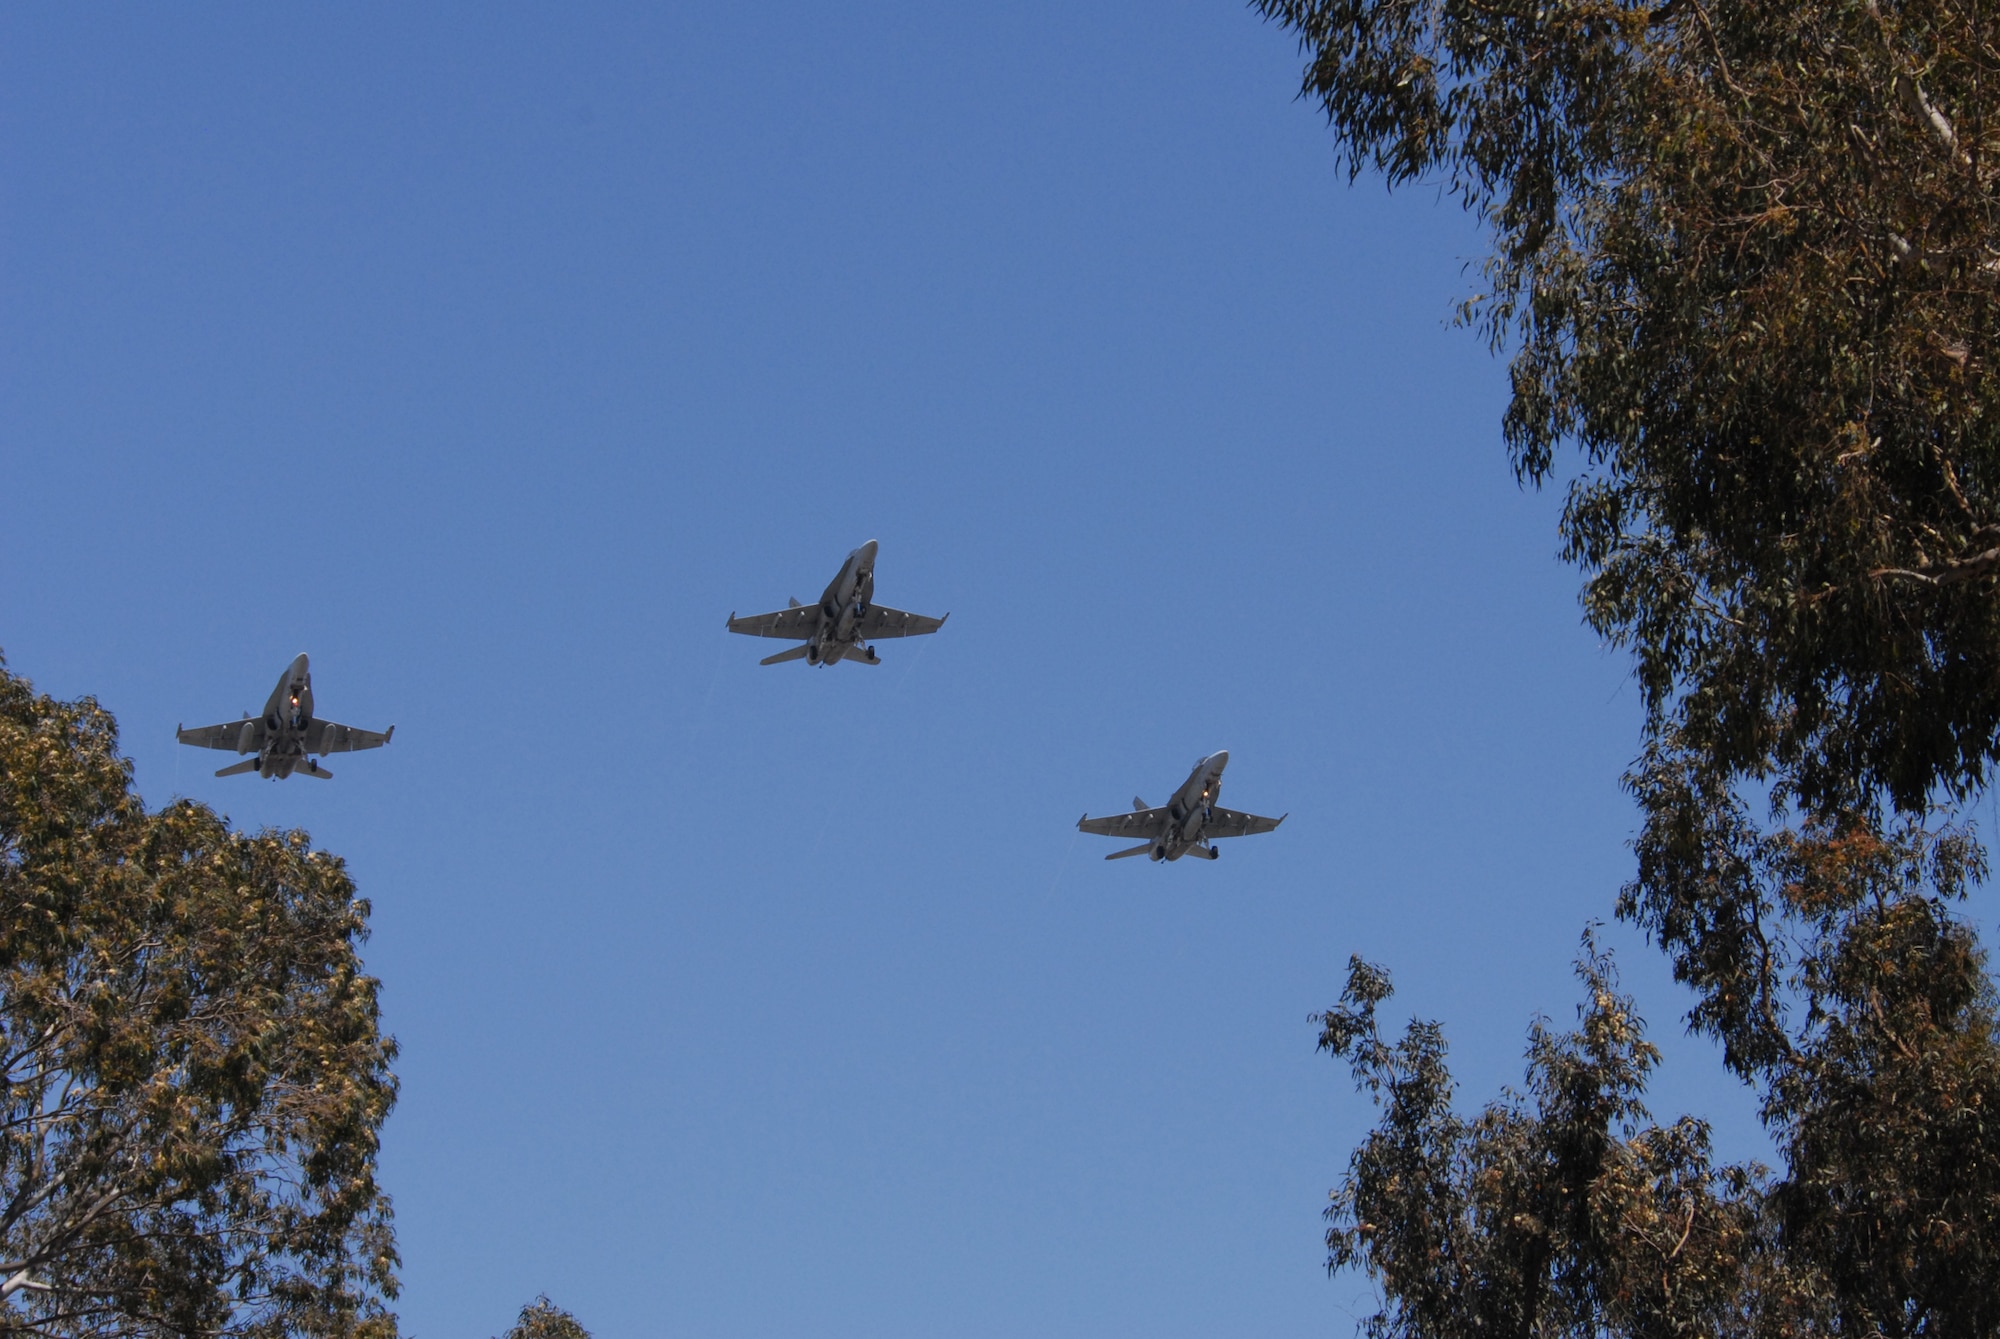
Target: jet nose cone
pixel 1219 759
pixel 299 663
pixel 867 551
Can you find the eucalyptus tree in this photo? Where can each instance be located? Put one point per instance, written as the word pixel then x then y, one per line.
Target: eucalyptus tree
pixel 192 1075
pixel 1747 258
pixel 1562 1211
pixel 543 1319
pixel 1745 261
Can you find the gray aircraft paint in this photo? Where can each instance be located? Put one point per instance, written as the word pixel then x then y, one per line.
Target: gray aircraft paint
pixel 840 626
pixel 1187 824
pixel 286 735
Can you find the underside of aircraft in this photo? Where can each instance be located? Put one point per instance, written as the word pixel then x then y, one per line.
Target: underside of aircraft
pixel 284 739
pixel 841 626
pixel 1188 824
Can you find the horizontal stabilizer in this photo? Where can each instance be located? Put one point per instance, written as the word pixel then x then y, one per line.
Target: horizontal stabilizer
pixel 862 655
pixel 1205 852
pixel 796 653
pixel 1141 849
pixel 237 769
pixel 311 767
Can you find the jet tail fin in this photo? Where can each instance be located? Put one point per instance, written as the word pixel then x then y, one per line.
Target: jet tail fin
pixel 237 769
pixel 1140 804
pixel 1141 849
pixel 794 604
pixel 796 653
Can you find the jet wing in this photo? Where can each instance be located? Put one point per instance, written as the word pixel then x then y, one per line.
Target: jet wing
pixel 1229 823
pixel 797 623
pixel 333 737
pixel 882 621
pixel 229 735
pixel 1143 823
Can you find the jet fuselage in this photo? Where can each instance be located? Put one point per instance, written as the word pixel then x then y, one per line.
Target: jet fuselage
pixel 288 717
pixel 1188 811
pixel 841 607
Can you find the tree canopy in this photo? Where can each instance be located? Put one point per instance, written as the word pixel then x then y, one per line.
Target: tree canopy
pixel 543 1319
pixel 194 1078
pixel 1747 259
pixel 1746 262
pixel 1569 1211
pixel 1562 1212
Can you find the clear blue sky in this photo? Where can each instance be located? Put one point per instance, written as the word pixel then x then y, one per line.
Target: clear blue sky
pixel 493 355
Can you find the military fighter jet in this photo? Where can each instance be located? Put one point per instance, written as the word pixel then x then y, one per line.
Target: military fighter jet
pixel 839 626
pixel 285 734
pixel 1187 824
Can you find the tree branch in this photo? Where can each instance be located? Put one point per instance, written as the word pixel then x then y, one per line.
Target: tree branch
pixel 1955 572
pixel 1940 124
